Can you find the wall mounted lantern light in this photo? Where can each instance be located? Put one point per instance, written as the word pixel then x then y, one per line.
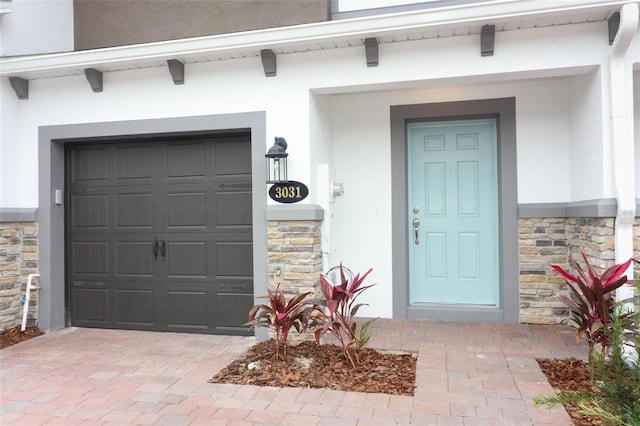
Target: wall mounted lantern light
pixel 277 161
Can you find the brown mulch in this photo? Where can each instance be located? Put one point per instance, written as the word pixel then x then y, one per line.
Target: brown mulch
pixel 14 335
pixel 310 365
pixel 569 374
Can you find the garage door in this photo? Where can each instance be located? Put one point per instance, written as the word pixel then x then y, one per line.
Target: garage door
pixel 159 234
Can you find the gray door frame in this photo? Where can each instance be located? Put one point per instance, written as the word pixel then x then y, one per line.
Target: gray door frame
pixel 503 110
pixel 51 217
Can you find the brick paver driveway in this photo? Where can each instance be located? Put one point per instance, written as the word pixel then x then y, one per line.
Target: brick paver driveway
pixel 468 374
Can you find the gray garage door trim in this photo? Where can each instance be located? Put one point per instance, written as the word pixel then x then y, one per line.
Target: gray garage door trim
pixel 51 142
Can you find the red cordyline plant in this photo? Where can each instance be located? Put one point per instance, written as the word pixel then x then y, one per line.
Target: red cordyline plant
pixel 592 304
pixel 340 308
pixel 280 315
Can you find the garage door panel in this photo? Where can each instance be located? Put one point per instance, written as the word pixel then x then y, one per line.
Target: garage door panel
pixel 133 162
pixel 233 208
pixel 134 258
pixel 89 211
pixel 233 157
pixel 135 306
pixel 91 304
pixel 134 210
pixel 188 309
pixel 234 259
pixel 186 160
pixel 90 258
pixel 187 259
pixel 227 307
pixel 89 165
pixel 186 209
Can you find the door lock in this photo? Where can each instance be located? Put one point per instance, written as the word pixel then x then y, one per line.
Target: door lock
pixel 416 225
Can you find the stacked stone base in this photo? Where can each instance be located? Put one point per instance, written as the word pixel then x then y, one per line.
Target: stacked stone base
pixel 543 241
pixel 18 259
pixel 295 261
pixel 294 254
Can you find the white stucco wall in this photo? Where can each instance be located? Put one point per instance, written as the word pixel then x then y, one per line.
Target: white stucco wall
pixel 634 58
pixel 9 144
pixel 334 111
pixel 587 158
pixel 446 69
pixel 636 110
pixel 361 155
pixel 49 24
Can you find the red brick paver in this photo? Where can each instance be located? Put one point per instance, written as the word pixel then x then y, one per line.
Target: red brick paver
pixel 468 374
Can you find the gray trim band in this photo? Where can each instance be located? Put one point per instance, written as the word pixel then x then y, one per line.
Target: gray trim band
pixel 51 165
pixel 16 214
pixel 295 212
pixel 503 109
pixel 605 207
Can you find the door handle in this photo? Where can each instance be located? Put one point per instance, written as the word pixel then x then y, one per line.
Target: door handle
pixel 163 248
pixel 154 248
pixel 416 225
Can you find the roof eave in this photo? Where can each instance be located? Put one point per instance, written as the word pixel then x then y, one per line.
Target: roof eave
pixel 281 37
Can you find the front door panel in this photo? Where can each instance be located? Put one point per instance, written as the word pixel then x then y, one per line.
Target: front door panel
pixel 453 212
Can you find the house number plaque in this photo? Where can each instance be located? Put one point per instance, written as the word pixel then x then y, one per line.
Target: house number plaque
pixel 288 192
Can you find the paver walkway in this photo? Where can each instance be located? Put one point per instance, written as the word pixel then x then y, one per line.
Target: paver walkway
pixel 467 374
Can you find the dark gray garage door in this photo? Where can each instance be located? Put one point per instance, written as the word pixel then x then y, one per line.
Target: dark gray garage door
pixel 159 234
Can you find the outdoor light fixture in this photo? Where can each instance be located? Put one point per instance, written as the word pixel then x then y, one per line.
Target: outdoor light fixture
pixel 277 161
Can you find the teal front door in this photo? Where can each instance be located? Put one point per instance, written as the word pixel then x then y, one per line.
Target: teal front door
pixel 453 212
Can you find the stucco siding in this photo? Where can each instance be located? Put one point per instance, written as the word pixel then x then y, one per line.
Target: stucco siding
pixel 49 27
pixel 116 23
pixel 334 112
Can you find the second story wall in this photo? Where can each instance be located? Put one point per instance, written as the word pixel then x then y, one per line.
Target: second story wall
pixel 36 27
pixel 121 22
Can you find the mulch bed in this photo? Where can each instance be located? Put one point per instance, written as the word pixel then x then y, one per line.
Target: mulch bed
pixel 14 335
pixel 310 365
pixel 569 374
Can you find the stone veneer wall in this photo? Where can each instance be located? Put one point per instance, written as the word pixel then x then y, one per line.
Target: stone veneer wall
pixel 595 238
pixel 293 246
pixel 543 241
pixel 18 259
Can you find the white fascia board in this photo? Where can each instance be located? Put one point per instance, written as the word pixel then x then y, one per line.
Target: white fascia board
pixel 298 35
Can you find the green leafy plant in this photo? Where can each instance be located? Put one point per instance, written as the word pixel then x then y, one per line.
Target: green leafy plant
pixel 361 338
pixel 281 315
pixel 615 397
pixel 336 311
pixel 618 373
pixel 588 403
pixel 591 304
